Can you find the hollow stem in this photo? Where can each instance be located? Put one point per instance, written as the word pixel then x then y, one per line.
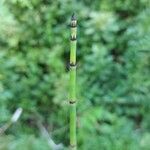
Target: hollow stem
pixel 72 98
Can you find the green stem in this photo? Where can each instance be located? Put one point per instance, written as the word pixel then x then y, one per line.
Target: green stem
pixel 72 100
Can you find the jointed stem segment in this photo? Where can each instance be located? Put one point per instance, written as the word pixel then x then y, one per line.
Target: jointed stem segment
pixel 72 101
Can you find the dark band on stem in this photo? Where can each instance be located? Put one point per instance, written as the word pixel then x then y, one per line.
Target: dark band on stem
pixel 72 102
pixel 72 65
pixel 73 26
pixel 73 38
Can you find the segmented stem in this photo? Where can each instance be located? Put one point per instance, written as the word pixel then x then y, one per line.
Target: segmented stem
pixel 72 100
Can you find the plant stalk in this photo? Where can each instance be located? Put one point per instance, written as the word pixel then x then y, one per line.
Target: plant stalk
pixel 72 92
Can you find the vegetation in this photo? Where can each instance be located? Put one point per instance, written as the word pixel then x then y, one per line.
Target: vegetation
pixel 113 73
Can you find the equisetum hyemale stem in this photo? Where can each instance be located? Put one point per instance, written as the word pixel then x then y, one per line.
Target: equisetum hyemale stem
pixel 72 92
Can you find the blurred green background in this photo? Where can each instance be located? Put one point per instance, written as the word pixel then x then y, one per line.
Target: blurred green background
pixel 113 83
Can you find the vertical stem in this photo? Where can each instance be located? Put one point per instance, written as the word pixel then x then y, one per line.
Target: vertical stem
pixel 72 99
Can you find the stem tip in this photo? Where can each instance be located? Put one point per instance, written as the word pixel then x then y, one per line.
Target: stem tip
pixel 73 17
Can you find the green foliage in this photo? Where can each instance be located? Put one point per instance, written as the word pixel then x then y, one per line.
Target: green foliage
pixel 113 72
pixel 24 142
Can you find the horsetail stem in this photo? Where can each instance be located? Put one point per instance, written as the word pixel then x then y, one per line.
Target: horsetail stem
pixel 72 98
